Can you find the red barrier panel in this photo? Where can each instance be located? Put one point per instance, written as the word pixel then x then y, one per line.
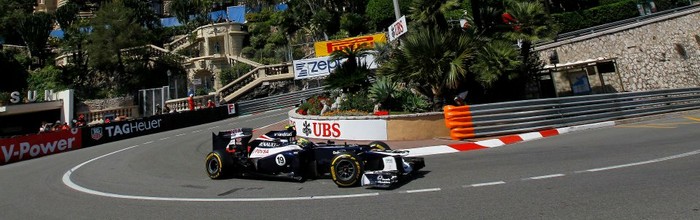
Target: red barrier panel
pixel 38 145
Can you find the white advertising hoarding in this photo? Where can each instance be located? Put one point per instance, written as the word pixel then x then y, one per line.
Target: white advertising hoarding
pixel 398 28
pixel 323 66
pixel 341 129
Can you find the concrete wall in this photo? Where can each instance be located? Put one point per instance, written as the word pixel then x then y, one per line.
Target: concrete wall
pixel 648 53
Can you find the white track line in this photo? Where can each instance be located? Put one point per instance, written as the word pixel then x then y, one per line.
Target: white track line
pixel 423 190
pixel 487 184
pixel 183 134
pixel 544 177
pixel 165 138
pixel 150 142
pixel 643 162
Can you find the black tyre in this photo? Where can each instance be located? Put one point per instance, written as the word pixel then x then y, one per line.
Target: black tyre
pixel 346 170
pixel 218 164
pixel 378 145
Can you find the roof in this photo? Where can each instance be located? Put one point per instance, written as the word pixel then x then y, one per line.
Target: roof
pixel 577 63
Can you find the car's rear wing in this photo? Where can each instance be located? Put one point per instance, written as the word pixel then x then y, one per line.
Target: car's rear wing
pixel 222 139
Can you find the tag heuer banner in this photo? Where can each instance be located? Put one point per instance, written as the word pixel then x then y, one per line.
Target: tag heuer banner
pixel 325 48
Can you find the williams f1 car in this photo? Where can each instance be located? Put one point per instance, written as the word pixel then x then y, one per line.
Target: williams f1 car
pixel 281 154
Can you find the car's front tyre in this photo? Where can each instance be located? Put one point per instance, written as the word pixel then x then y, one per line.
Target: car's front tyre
pixel 346 170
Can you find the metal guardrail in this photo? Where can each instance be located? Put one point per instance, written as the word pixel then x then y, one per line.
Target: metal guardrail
pixel 533 115
pixel 276 101
pixel 616 24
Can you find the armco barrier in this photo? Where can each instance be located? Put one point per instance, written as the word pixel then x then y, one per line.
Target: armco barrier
pixel 38 145
pixel 532 115
pixel 276 101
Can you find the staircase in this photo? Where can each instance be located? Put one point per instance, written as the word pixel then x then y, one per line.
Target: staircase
pixel 253 79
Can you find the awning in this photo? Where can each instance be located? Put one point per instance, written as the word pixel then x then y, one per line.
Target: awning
pixel 577 63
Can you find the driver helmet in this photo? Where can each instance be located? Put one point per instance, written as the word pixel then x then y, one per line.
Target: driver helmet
pixel 303 141
pixel 290 128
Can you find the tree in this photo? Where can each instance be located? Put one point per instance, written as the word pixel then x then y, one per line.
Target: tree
pixel 350 76
pixel 380 13
pixel 13 74
pixel 35 30
pixel 427 13
pixel 114 28
pixel 433 61
pixel 10 12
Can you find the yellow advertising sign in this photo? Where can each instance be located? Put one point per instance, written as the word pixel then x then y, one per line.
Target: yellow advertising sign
pixel 325 48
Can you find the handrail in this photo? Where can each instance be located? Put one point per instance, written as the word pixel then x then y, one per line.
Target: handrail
pixel 244 60
pixel 615 24
pixel 247 78
pixel 531 115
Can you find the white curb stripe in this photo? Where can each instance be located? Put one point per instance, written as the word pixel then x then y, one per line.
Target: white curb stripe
pixel 530 136
pixel 423 190
pixel 490 143
pixel 422 151
pixel 545 177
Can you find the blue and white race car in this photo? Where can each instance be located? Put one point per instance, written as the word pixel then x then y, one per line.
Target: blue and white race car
pixel 281 154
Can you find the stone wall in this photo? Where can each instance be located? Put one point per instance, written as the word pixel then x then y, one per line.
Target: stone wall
pixel 660 53
pixel 102 104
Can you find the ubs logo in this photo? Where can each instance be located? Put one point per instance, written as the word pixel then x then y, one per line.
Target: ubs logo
pixel 307 129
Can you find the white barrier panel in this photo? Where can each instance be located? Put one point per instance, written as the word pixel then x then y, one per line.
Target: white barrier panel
pixel 341 129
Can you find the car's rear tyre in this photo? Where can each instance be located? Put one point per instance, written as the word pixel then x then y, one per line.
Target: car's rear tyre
pixel 217 164
pixel 346 170
pixel 378 145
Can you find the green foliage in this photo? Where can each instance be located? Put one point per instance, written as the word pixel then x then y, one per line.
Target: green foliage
pixel 383 91
pixel 4 98
pixel 47 78
pixel 277 38
pixel 13 73
pixel 434 60
pixel 34 29
pixel 353 23
pixel 313 105
pixel 571 21
pixel 230 74
pixel 495 59
pixel 412 102
pixel 357 101
pixel 248 52
pixel 431 13
pixel 114 28
pixel 380 13
pixel 662 5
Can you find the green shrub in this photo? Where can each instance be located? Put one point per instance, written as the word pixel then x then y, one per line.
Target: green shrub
pixel 662 5
pixel 571 21
pixel 357 101
pixel 384 90
pixel 411 102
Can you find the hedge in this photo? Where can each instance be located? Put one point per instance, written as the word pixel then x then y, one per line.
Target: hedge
pixel 571 21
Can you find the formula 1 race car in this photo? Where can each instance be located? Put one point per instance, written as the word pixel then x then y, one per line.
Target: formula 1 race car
pixel 281 154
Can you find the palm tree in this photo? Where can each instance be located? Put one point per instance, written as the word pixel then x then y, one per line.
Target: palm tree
pixel 432 60
pixel 428 13
pixel 350 76
pixel 495 59
pixel 533 24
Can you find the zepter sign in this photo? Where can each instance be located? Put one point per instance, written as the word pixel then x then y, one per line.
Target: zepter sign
pixel 323 66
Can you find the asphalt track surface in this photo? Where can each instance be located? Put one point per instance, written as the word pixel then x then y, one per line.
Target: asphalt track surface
pixel 647 170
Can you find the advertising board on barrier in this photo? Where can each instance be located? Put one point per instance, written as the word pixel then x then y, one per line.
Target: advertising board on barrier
pixel 38 145
pixel 231 109
pixel 398 28
pixel 341 129
pixel 323 66
pixel 325 48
